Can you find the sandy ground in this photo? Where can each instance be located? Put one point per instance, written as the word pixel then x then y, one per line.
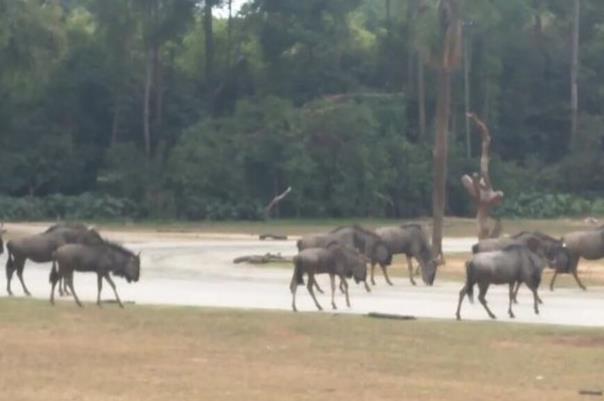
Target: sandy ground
pixel 197 269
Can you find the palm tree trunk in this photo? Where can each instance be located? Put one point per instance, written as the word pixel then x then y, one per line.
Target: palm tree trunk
pixel 440 157
pixel 574 87
pixel 146 104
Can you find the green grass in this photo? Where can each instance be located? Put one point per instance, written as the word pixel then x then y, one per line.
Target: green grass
pixel 159 353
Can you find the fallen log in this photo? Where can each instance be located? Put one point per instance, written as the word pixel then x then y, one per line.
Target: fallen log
pixel 262 259
pixel 277 237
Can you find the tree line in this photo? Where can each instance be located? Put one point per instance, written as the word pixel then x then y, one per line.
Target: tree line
pixel 166 108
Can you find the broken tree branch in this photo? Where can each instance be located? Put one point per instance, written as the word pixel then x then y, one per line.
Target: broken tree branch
pixel 275 201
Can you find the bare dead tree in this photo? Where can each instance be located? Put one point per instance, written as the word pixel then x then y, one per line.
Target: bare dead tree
pixel 479 186
pixel 275 201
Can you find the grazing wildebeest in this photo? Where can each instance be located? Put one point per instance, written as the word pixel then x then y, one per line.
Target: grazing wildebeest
pixel 587 244
pixel 39 248
pixel 512 264
pixel 410 240
pixel 336 260
pixel 551 249
pixel 102 258
pixel 2 232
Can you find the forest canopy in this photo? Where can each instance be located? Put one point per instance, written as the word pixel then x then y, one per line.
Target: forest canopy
pixel 171 109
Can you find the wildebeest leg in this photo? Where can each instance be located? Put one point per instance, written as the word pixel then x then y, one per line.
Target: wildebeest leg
pixel 112 284
pixel 484 287
pixel 309 285
pixel 386 274
pixel 346 291
pixel 65 290
pixel 462 294
pixel 515 299
pixel 551 283
pixel 512 298
pixel 318 288
pixel 535 300
pixel 20 275
pixel 69 278
pixel 332 280
pixel 410 265
pixel 294 288
pixel 52 291
pixel 367 288
pixel 576 276
pixel 372 273
pixel 99 285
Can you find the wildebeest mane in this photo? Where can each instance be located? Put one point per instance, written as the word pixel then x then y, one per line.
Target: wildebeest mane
pixel 75 226
pixel 116 247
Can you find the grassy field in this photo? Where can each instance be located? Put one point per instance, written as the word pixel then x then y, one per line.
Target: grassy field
pixel 453 227
pixel 163 353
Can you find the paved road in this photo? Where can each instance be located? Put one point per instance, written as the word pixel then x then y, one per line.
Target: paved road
pixel 201 273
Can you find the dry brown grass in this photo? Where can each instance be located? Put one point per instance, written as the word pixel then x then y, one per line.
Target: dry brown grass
pixel 161 353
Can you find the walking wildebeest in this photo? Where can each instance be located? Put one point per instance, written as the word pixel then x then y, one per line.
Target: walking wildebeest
pixel 102 258
pixel 336 260
pixel 410 240
pixel 512 264
pixel 39 248
pixel 588 244
pixel 366 242
pixel 551 249
pixel 369 244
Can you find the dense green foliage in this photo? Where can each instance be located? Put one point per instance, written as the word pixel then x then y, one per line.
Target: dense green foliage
pixel 318 95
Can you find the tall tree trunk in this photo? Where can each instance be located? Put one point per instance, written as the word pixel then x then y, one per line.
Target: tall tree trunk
pixel 440 157
pixel 421 97
pixel 147 105
pixel 159 92
pixel 466 79
pixel 230 34
pixel 209 47
pixel 574 66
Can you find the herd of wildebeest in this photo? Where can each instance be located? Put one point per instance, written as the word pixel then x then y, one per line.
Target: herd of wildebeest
pixel 515 260
pixel 344 252
pixel 70 247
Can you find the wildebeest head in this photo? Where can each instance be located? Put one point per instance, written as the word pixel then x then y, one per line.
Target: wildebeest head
pixel 2 231
pixel 133 268
pixel 429 269
pixel 558 258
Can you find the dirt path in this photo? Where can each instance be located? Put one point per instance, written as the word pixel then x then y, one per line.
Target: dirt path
pixel 197 269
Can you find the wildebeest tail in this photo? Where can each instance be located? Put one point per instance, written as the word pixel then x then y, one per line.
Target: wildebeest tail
pixel 475 248
pixel 54 274
pixel 469 281
pixel 299 245
pixel 298 277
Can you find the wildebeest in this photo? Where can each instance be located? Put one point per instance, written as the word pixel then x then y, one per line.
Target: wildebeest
pixel 103 258
pixel 410 240
pixel 510 265
pixel 336 260
pixel 366 242
pixel 39 248
pixel 587 244
pixel 551 249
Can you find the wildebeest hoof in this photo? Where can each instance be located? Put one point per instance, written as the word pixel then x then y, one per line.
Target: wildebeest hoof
pixel 334 307
pixel 458 317
pixel 512 315
pixel 493 317
pixel 28 294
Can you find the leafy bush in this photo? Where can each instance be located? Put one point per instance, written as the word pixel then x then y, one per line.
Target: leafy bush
pixel 542 205
pixel 85 206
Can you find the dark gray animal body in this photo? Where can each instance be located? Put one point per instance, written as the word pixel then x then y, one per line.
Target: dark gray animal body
pixel 335 260
pixel 366 242
pixel 513 264
pixel 39 248
pixel 587 244
pixel 102 259
pixel 411 241
pixel 553 250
